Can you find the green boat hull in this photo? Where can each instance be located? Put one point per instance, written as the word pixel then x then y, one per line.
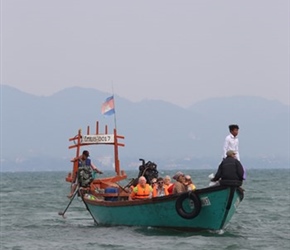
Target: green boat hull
pixel 212 210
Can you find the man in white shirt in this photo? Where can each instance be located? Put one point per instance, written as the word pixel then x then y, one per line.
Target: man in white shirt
pixel 232 141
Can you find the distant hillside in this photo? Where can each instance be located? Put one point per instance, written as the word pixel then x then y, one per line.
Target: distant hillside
pixel 35 129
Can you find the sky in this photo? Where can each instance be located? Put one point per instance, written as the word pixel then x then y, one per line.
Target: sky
pixel 180 51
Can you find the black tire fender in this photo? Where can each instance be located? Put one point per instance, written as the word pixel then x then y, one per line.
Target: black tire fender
pixel 179 205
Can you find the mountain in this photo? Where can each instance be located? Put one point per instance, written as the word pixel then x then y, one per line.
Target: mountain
pixel 35 130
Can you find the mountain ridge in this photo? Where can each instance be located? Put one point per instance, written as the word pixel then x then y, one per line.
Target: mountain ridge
pixel 38 127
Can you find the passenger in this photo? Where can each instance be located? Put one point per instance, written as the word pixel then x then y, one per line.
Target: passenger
pixel 229 169
pixel 189 184
pixel 167 181
pixel 179 185
pixel 142 191
pixel 160 189
pixel 153 182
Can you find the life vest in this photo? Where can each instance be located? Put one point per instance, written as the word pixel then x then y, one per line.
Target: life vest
pixel 87 162
pixel 160 192
pixel 170 188
pixel 141 193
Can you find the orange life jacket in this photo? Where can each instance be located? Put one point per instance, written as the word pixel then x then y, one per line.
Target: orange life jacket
pixel 160 192
pixel 141 193
pixel 170 188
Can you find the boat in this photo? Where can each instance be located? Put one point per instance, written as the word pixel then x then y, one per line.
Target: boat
pixel 108 202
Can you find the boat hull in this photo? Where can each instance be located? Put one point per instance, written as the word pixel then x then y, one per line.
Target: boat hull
pixel 217 206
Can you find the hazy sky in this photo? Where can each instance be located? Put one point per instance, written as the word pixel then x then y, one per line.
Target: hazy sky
pixel 178 51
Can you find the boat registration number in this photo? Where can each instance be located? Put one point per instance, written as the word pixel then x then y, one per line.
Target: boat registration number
pixel 98 139
pixel 205 201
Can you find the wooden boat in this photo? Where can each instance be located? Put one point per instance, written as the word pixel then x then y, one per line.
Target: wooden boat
pixel 209 208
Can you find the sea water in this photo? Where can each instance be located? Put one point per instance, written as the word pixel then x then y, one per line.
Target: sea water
pixel 30 203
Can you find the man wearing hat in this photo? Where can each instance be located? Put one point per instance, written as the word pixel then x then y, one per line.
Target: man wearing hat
pixel 84 160
pixel 84 174
pixel 230 168
pixel 179 185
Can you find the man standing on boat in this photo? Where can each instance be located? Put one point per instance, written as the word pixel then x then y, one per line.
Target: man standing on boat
pixel 232 141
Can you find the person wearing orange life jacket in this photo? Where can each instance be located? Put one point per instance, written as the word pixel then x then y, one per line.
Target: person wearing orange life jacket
pixel 142 191
pixel 167 181
pixel 153 183
pixel 160 189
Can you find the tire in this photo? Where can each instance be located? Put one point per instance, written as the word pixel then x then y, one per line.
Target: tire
pixel 180 209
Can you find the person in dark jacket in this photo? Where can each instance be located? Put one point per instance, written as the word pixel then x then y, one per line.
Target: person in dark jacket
pixel 229 169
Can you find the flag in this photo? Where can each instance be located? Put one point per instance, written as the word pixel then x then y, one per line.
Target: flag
pixel 108 107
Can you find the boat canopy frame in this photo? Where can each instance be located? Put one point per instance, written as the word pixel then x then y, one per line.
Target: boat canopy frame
pixel 97 138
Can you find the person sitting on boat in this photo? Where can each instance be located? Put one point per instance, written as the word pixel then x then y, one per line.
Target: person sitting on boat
pixel 167 181
pixel 160 189
pixel 142 191
pixel 179 185
pixel 84 160
pixel 189 184
pixel 153 183
pixel 229 169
